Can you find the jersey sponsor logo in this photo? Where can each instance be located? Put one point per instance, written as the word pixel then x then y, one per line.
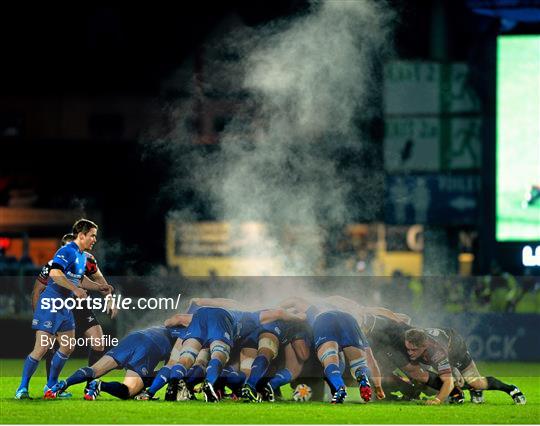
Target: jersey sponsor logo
pixel 90 318
pixel 47 324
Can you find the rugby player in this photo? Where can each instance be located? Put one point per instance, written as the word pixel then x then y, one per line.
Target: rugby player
pixel 335 330
pixel 208 326
pixel 66 278
pixel 263 346
pixel 85 319
pixel 444 348
pixel 217 328
pixel 295 355
pixel 138 353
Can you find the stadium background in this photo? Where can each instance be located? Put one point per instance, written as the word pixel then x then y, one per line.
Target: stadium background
pixel 106 112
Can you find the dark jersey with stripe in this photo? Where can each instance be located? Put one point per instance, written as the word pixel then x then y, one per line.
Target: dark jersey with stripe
pixel 437 353
pixel 90 268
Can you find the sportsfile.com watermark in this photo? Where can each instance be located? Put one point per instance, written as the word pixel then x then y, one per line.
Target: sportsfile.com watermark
pixel 115 301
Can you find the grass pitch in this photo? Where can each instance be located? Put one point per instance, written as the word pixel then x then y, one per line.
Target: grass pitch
pixel 498 408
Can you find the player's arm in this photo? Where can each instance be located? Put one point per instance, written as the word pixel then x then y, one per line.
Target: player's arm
pixel 111 308
pixel 446 388
pixel 60 279
pixel 445 374
pixel 292 362
pixel 375 373
pixel 280 314
pixel 99 279
pixel 301 348
pixel 404 318
pixel 383 312
pixel 36 292
pixel 90 284
pixel 177 320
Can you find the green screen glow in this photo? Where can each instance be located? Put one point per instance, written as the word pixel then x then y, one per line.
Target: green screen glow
pixel 518 138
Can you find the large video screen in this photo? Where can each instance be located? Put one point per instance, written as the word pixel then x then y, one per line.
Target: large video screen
pixel 518 138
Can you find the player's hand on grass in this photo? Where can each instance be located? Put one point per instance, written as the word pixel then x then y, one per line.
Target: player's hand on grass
pixel 434 401
pixel 80 293
pixel 379 392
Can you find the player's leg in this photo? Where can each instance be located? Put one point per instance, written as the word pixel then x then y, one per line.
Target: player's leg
pixel 97 349
pixel 292 369
pixel 64 339
pixel 359 370
pixel 247 356
pixel 189 350
pixel 233 378
pixel 219 356
pixel 327 353
pixel 267 351
pixel 84 374
pixel 268 347
pixel 196 373
pixel 43 342
pixel 478 383
pixel 164 374
pixel 132 385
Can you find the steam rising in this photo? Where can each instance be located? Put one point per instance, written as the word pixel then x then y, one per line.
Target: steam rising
pixel 307 82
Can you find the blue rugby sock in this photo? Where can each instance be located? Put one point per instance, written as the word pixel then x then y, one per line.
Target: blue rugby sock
pixel 333 376
pixel 258 368
pixel 81 375
pixel 57 363
pixel 232 378
pixel 29 368
pixel 281 378
pixel 116 389
pixel 178 372
pixel 213 370
pixel 195 375
pixel 161 379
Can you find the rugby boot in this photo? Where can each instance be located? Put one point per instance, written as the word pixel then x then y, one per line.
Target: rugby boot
pixel 171 394
pixel 92 391
pixel 518 396
pixel 339 396
pixel 477 396
pixel 60 395
pixel 145 396
pixel 183 393
pixel 457 396
pixel 209 393
pixel 249 394
pixel 22 393
pixel 365 388
pixel 267 393
pixel 56 390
